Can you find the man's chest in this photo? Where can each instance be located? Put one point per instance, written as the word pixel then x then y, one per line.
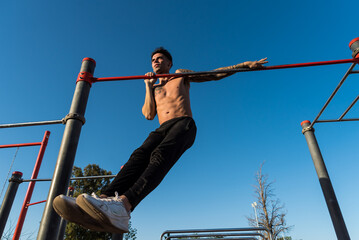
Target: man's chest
pixel 170 89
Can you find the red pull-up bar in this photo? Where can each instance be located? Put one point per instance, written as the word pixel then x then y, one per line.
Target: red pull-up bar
pixel 310 64
pixel 353 45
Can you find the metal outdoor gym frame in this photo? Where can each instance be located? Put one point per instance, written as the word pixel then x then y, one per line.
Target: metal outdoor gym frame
pixel 220 233
pixel 15 180
pixel 74 121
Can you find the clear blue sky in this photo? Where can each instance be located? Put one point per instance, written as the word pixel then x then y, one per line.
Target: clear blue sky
pixel 242 121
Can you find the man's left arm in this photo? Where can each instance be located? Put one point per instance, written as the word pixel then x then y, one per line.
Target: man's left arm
pixel 218 76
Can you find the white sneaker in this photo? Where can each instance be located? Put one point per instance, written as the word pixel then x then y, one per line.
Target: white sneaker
pixel 67 208
pixel 108 211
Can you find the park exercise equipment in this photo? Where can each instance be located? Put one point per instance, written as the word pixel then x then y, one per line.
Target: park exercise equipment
pixel 15 180
pixel 324 179
pixel 219 233
pixel 8 200
pixel 75 119
pixel 31 186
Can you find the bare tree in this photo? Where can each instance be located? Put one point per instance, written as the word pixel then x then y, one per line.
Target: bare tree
pixel 9 233
pixel 270 212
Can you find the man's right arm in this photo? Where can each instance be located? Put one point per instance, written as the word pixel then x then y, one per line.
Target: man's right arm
pixel 149 107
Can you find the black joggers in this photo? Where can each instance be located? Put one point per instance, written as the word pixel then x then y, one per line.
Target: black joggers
pixel 150 163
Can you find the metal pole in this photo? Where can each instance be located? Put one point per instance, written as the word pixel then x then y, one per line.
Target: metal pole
pixel 12 125
pixel 254 205
pixel 336 120
pixel 71 179
pixel 215 232
pixel 296 65
pixel 327 188
pixel 117 236
pixel 63 223
pixel 49 225
pixel 334 92
pixel 9 197
pixel 31 187
pixel 20 145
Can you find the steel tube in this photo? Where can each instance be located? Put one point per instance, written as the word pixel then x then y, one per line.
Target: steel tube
pixel 325 183
pixel 350 106
pixel 195 235
pixel 71 179
pixel 12 125
pixel 310 64
pixel 336 120
pixel 334 92
pixel 219 230
pixel 31 187
pixel 49 225
pixel 8 200
pixel 220 238
pixel 63 223
pixel 35 203
pixel 117 236
pixel 20 145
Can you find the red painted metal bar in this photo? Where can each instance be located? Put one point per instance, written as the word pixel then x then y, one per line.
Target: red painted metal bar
pixel 21 145
pixel 30 204
pixel 310 64
pixel 30 189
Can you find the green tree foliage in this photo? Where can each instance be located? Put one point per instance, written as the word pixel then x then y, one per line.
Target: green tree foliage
pixel 131 235
pixel 89 185
pixel 74 231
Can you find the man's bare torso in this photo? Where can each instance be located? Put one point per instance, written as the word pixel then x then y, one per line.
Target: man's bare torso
pixel 172 99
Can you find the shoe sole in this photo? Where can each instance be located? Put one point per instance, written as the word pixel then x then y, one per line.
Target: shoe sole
pixel 78 216
pixel 97 214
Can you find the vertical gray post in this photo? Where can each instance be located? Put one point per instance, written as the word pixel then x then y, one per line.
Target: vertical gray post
pixel 327 188
pixel 49 225
pixel 117 236
pixel 63 223
pixel 9 197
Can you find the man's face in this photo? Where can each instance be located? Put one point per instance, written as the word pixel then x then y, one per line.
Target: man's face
pixel 160 63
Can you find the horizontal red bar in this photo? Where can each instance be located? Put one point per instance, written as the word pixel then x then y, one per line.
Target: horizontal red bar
pixel 30 204
pixel 20 145
pixel 310 64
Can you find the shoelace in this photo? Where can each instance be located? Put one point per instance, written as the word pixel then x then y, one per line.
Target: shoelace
pixel 116 198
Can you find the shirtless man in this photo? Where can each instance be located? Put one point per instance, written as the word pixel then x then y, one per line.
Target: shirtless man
pixel 148 165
